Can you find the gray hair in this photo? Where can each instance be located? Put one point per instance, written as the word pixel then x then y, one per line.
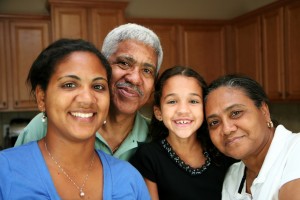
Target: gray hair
pixel 134 32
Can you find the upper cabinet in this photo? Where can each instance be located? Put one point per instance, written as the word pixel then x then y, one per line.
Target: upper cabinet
pixel 3 65
pixel 90 20
pixel 202 47
pixel 273 54
pixel 292 51
pixel 267 48
pixel 21 42
pixel 247 45
pixel 194 43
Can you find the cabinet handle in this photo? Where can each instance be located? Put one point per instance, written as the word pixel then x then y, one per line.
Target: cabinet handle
pixel 16 103
pixel 280 94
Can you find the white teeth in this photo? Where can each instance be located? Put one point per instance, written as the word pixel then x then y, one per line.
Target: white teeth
pixel 82 115
pixel 183 122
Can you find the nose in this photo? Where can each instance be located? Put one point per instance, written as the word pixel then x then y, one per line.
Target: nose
pixel 228 127
pixel 183 108
pixel 134 76
pixel 86 97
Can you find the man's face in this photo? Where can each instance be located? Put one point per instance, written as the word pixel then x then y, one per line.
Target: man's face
pixel 133 73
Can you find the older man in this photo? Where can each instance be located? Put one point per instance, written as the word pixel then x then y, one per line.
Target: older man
pixel 135 55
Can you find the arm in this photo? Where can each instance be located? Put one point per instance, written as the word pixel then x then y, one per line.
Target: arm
pixel 290 190
pixel 152 187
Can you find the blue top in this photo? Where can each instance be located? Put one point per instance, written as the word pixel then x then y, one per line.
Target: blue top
pixel 24 175
pixel 36 130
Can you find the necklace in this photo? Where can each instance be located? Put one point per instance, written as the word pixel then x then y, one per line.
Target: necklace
pixel 81 192
pixel 181 164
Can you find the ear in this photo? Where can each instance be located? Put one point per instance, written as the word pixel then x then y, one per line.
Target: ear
pixel 157 113
pixel 40 98
pixel 265 111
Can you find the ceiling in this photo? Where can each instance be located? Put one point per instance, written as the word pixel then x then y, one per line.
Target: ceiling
pixel 183 9
pixel 199 9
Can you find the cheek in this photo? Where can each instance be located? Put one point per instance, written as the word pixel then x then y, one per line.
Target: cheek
pixel 215 138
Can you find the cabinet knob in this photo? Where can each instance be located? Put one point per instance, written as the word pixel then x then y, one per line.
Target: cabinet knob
pixel 4 103
pixel 16 103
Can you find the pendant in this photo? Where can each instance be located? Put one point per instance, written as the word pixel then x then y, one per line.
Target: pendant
pixel 81 194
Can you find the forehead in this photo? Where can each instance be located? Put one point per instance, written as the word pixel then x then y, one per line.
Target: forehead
pixel 80 62
pixel 135 49
pixel 182 84
pixel 224 97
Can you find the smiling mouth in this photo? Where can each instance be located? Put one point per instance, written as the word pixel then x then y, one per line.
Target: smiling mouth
pixel 183 122
pixel 82 115
pixel 233 140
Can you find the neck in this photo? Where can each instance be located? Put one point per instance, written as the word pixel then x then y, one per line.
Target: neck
pixel 186 145
pixel 117 128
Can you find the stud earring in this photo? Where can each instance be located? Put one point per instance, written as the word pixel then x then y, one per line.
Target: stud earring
pixel 44 117
pixel 270 124
pixel 104 122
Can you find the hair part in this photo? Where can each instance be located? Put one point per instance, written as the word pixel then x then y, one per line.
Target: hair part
pixel 131 31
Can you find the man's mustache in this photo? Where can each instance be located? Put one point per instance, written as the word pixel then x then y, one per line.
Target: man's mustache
pixel 133 87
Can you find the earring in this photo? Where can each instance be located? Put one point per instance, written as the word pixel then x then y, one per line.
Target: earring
pixel 104 122
pixel 270 124
pixel 44 117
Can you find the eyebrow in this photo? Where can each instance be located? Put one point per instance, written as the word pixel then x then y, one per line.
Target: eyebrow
pixel 226 109
pixel 132 60
pixel 174 94
pixel 77 78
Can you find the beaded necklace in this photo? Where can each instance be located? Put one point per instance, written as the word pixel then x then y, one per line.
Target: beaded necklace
pixel 181 164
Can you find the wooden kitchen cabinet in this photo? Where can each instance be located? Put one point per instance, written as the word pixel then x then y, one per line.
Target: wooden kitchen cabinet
pixel 247 45
pixel 281 52
pixel 3 66
pixel 90 20
pixel 166 30
pixel 28 39
pixel 202 47
pixel 292 51
pixel 273 54
pixel 22 39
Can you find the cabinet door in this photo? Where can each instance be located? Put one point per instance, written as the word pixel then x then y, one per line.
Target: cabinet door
pixel 293 51
pixel 273 54
pixel 247 39
pixel 103 21
pixel 69 22
pixel 3 67
pixel 203 48
pixel 168 39
pixel 28 39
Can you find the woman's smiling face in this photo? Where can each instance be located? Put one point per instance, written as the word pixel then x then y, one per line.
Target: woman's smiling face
pixel 77 97
pixel 237 127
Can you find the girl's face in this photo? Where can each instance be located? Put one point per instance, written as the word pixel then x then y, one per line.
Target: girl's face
pixel 236 126
pixel 181 106
pixel 77 98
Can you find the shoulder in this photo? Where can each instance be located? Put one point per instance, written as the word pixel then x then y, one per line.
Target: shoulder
pixel 34 131
pixel 234 174
pixel 123 181
pixel 116 166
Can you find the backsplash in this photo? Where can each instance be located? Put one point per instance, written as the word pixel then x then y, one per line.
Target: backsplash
pixel 287 114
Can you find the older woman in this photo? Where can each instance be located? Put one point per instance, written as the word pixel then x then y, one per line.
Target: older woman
pixel 70 80
pixel 240 126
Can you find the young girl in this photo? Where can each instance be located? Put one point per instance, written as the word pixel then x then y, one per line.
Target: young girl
pixel 180 162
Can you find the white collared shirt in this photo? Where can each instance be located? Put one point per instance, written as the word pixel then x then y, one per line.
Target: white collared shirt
pixel 281 165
